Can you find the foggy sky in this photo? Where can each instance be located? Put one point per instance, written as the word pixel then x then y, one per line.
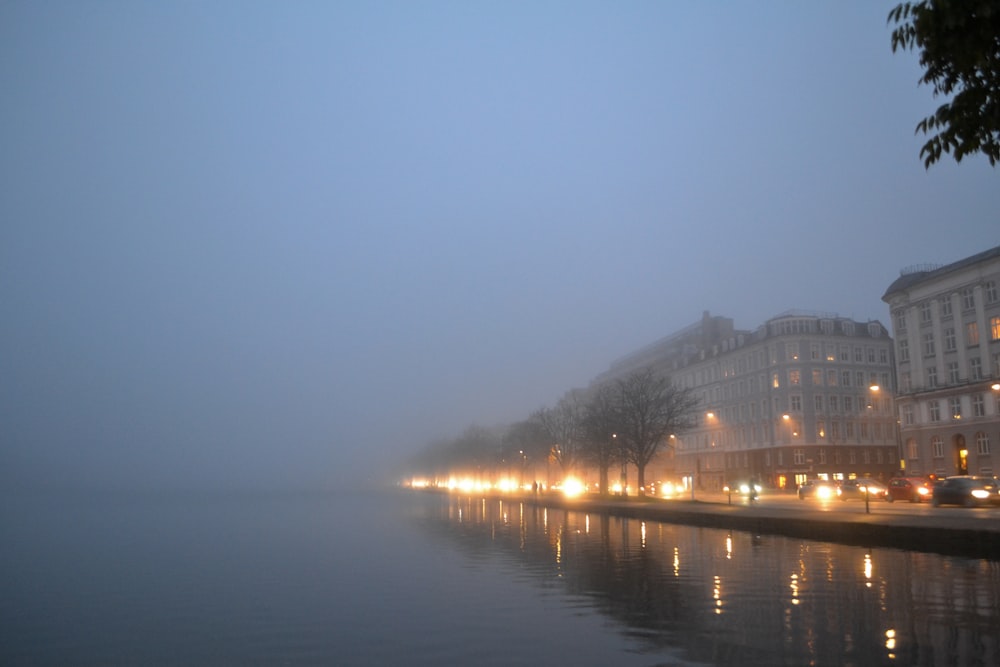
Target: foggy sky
pixel 289 243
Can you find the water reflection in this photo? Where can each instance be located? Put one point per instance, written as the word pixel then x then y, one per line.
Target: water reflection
pixel 731 598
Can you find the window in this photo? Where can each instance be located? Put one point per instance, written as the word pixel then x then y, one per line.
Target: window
pixel 831 352
pixel 934 411
pixel 859 355
pixel 871 355
pixel 859 379
pixel 975 369
pixel 978 405
pixel 814 353
pixel 852 457
pixel 952 372
pixel 949 339
pixel 866 456
pixel 845 378
pixel 955 404
pixel 831 378
pixel 820 428
pixel 971 334
pixel 925 313
pixel 904 381
pixel 995 328
pixel 848 404
pixel 946 307
pixel 929 344
pixel 904 350
pixel 818 402
pixel 849 430
pixel 799 457
pixel 844 353
pixel 821 456
pixel 937 447
pixel 795 403
pixel 794 377
pixel 990 288
pixel 864 430
pixel 908 415
pixel 982 443
pixel 817 377
pixel 932 376
pixel 833 402
pixel 835 431
pixel 911 448
pixel 899 317
pixel 968 299
pixel 774 381
pixel 883 356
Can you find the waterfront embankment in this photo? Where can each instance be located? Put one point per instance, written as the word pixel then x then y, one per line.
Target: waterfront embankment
pixel 973 533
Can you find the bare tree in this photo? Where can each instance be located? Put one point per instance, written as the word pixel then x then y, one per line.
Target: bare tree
pixel 563 425
pixel 650 409
pixel 527 444
pixel 600 423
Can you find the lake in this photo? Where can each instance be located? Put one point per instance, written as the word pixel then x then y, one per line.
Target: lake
pixel 396 577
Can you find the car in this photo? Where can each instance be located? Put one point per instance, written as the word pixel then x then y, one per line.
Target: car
pixel 966 490
pixel 911 489
pixel 817 488
pixel 856 489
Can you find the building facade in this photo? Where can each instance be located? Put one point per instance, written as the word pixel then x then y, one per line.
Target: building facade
pixel 806 395
pixel 946 323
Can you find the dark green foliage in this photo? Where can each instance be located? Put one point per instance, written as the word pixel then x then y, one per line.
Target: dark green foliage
pixel 959 45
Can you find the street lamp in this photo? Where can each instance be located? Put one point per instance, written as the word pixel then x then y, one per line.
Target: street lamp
pixel 624 478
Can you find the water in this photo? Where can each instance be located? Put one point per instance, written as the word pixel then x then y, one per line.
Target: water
pixel 395 578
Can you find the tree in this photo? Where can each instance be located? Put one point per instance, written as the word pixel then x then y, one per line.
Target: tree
pixel 600 423
pixel 650 409
pixel 959 44
pixel 562 424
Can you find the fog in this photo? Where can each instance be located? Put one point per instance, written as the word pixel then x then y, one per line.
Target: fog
pixel 279 245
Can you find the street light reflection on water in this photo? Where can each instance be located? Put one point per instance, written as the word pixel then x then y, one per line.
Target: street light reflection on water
pixel 726 597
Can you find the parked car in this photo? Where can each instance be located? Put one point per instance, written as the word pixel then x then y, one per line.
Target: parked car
pixel 910 489
pixel 854 489
pixel 817 488
pixel 966 490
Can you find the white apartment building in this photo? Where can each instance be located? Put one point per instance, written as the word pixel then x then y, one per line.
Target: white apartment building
pixel 805 395
pixel 946 323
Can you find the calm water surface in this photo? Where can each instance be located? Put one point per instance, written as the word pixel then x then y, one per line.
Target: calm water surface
pixel 423 579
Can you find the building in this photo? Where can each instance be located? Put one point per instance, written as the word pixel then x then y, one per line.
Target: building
pixel 805 395
pixel 946 323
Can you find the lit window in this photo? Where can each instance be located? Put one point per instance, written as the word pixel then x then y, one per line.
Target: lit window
pixel 955 403
pixel 972 333
pixel 995 328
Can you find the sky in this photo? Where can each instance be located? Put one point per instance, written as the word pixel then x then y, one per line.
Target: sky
pixel 250 244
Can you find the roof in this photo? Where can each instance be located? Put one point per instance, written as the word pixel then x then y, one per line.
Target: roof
pixel 909 279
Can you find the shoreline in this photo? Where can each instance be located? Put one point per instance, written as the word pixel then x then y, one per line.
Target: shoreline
pixel 961 533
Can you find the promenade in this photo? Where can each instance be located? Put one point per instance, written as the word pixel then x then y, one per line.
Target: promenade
pixel 973 533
